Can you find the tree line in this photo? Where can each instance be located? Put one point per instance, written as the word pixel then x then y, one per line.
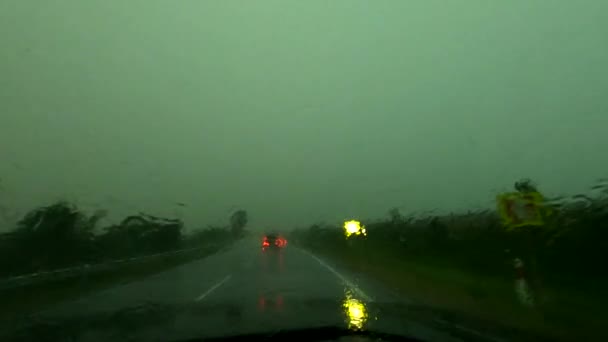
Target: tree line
pixel 571 245
pixel 60 235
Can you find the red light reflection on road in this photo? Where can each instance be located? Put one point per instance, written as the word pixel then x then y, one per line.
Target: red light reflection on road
pixel 279 303
pixel 272 303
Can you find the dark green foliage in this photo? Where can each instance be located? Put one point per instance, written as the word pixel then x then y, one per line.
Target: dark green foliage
pixel 570 249
pixel 140 235
pixel 59 236
pixel 48 237
pixel 238 221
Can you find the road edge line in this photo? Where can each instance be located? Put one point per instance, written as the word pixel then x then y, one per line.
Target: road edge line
pixel 213 288
pixel 346 282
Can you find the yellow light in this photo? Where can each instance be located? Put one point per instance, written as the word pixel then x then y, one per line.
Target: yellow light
pixel 355 312
pixel 353 227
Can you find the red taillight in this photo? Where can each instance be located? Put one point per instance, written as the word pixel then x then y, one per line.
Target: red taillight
pixel 280 242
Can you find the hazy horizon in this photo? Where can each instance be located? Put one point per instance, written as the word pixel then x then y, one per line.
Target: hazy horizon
pixel 297 111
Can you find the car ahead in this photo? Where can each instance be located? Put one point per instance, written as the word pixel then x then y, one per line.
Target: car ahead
pixel 273 241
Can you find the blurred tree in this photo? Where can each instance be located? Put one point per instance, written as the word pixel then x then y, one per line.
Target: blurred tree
pixel 55 236
pixel 139 235
pixel 395 215
pixel 238 221
pixel 525 185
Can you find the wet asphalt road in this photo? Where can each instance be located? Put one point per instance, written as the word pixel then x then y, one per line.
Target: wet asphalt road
pixel 243 275
pixel 242 290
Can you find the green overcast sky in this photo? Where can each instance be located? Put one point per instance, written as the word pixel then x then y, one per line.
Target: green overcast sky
pixel 298 111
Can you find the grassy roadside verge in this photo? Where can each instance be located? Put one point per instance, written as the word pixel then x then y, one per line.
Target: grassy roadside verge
pixel 564 315
pixel 32 298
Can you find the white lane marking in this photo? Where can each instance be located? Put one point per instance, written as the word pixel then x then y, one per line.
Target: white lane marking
pixel 213 288
pixel 346 282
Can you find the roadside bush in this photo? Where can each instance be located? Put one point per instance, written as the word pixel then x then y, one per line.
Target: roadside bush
pixel 572 245
pixel 59 235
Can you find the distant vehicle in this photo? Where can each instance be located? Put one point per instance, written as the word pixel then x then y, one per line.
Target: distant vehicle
pixel 273 241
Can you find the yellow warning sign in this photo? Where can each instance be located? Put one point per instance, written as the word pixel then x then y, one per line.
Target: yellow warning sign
pixel 518 209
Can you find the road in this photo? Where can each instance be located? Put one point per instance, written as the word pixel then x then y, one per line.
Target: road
pixel 243 289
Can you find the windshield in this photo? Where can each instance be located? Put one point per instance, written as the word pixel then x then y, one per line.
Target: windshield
pixel 184 169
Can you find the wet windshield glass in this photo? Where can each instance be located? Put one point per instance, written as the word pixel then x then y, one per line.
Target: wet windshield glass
pixel 432 169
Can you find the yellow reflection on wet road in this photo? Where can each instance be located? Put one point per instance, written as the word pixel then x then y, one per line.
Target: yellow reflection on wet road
pixel 356 312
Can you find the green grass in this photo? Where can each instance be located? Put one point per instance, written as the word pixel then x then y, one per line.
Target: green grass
pixel 28 299
pixel 562 313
